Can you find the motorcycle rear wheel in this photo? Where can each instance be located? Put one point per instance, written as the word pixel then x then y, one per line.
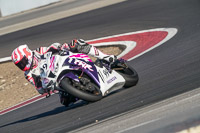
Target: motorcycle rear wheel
pixel 67 85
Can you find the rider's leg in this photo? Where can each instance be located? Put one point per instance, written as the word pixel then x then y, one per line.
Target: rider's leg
pixel 100 55
pixel 82 47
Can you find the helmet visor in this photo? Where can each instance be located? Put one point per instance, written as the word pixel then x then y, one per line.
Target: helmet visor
pixel 22 63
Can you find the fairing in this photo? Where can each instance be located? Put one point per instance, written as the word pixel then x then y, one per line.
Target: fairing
pixel 86 66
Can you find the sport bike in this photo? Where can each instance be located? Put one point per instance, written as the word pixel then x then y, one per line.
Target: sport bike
pixel 78 75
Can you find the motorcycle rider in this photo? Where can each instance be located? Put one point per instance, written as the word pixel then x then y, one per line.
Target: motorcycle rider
pixel 28 61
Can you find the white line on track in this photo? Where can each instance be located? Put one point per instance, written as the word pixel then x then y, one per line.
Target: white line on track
pixel 139 125
pixel 21 104
pixel 5 59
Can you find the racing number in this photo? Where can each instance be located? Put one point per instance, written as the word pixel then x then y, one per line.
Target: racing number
pixel 106 73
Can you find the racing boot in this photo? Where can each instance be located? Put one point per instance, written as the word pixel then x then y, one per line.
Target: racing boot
pixel 66 99
pixel 100 55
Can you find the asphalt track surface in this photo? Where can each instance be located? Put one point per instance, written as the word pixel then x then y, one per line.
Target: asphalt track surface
pixel 169 70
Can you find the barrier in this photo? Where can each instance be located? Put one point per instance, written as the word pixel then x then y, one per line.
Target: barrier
pixel 8 7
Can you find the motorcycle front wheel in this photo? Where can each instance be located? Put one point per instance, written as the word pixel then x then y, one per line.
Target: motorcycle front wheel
pixel 130 76
pixel 90 96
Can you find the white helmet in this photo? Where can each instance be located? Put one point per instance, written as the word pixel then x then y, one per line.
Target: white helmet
pixel 22 57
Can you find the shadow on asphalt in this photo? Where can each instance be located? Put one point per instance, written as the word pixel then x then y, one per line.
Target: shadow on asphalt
pixel 49 113
pixel 57 110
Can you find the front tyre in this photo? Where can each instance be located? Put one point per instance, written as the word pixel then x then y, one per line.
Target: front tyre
pixel 130 76
pixel 91 96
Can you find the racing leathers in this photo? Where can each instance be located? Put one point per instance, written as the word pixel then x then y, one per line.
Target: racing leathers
pixel 76 46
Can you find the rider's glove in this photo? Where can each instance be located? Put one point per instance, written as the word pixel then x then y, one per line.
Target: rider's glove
pixel 76 44
pixel 73 45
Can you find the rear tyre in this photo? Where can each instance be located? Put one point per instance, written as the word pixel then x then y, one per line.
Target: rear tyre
pixel 89 96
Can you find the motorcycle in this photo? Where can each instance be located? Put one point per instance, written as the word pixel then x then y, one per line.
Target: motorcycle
pixel 78 75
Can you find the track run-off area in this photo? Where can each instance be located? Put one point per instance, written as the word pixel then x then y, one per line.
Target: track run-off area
pixel 161 40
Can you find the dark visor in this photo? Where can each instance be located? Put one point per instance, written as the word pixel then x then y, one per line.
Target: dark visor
pixel 22 63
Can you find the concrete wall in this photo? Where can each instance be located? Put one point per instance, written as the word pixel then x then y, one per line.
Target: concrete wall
pixel 8 7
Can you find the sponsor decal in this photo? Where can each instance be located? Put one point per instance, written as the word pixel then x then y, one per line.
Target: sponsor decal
pixel 106 72
pixel 80 63
pixel 83 64
pixel 52 60
pixel 81 56
pixel 101 76
pixel 111 80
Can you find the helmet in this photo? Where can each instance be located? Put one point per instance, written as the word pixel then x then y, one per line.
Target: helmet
pixel 22 57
